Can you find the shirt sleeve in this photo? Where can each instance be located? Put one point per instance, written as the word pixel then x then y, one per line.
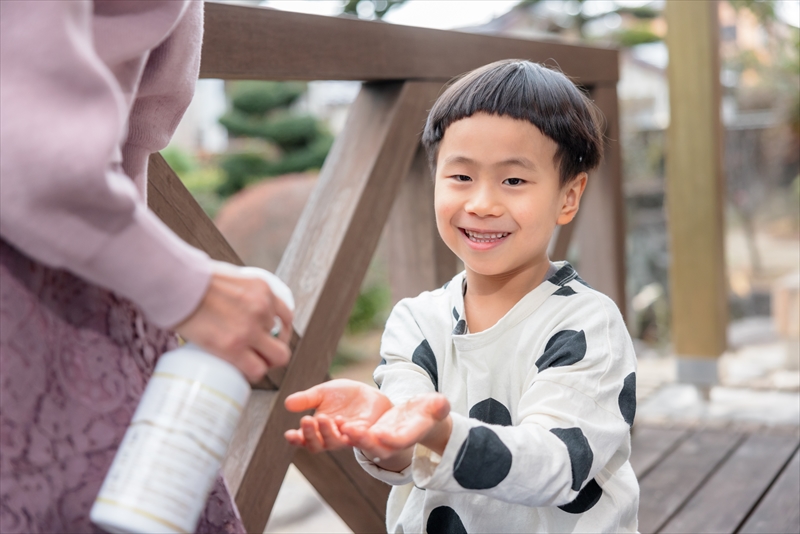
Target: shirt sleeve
pixel 405 371
pixel 66 200
pixel 574 421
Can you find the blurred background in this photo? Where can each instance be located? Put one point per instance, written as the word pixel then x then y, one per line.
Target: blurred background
pixel 250 153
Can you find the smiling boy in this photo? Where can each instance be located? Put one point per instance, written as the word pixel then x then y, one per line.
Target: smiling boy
pixel 506 397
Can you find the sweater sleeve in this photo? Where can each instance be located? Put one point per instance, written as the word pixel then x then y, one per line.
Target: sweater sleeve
pixel 406 370
pixel 574 421
pixel 66 200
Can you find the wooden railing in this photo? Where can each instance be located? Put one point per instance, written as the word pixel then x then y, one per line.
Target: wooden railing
pixel 376 167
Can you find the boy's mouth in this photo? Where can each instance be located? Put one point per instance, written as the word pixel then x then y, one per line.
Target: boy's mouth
pixel 484 237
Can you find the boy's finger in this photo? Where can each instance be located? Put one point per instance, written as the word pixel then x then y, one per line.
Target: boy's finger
pixel 391 440
pixel 313 439
pixel 330 432
pixel 437 406
pixel 356 433
pixel 294 437
pixel 361 437
pixel 304 400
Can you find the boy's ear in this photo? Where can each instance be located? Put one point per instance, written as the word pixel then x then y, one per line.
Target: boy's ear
pixel 571 198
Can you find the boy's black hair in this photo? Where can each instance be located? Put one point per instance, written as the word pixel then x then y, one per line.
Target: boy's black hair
pixel 526 91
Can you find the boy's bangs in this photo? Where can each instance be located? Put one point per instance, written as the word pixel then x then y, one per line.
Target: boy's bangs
pixel 525 91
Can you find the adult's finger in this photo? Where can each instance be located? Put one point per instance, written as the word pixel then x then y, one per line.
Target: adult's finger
pixel 304 400
pixel 252 366
pixel 274 351
pixel 286 316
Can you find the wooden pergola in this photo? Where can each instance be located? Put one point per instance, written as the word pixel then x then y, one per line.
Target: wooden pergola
pixel 376 167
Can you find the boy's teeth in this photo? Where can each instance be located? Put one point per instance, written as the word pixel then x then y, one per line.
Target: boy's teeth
pixel 485 238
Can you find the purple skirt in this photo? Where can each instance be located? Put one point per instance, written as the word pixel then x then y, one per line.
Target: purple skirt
pixel 74 361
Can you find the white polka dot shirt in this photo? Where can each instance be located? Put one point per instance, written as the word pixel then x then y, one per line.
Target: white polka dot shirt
pixel 542 404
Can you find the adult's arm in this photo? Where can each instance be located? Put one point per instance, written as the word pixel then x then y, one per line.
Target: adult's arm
pixel 65 199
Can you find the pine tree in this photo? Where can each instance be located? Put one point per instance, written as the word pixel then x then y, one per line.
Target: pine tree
pixel 290 141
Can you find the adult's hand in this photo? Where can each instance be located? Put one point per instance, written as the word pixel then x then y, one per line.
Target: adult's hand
pixel 336 402
pixel 234 320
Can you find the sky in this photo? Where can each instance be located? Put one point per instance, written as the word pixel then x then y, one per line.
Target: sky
pixel 438 14
pixel 450 14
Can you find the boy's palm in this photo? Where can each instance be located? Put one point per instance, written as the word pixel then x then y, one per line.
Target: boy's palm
pixel 400 427
pixel 336 402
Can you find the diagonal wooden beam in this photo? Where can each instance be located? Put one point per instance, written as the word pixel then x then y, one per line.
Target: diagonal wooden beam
pixel 326 260
pixel 177 208
pixel 356 496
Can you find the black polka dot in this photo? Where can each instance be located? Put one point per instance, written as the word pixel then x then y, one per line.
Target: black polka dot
pixel 627 398
pixel 446 284
pixel 483 460
pixel 455 313
pixel 492 412
pixel 444 520
pixel 383 362
pixel 423 356
pixel 585 500
pixel 580 454
pixel 461 328
pixel 565 291
pixel 563 275
pixel 565 348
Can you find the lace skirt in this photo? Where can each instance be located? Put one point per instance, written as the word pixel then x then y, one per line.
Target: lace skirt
pixel 74 361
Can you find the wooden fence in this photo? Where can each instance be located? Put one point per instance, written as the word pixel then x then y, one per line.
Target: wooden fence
pixel 376 167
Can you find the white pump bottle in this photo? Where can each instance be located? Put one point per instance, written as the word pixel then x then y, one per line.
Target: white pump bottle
pixel 172 451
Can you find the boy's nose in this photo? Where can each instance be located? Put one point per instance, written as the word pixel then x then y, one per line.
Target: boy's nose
pixel 483 203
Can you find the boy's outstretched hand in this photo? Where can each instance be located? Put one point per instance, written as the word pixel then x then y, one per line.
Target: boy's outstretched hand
pixel 423 419
pixel 336 402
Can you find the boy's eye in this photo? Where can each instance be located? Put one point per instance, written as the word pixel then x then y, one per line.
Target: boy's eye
pixel 514 181
pixel 462 178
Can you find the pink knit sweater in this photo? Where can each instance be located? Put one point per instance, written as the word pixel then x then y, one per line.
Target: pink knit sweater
pixel 89 91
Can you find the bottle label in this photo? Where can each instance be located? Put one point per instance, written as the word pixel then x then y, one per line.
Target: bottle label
pixel 172 451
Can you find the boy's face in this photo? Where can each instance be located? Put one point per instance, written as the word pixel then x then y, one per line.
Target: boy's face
pixel 497 195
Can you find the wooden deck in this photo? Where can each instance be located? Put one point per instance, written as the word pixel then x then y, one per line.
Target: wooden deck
pixel 723 480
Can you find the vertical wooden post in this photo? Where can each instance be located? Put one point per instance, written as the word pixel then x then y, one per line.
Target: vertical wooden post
pixel 695 191
pixel 418 258
pixel 601 226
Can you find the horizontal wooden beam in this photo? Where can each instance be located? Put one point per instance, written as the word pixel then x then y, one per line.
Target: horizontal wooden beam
pixel 259 43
